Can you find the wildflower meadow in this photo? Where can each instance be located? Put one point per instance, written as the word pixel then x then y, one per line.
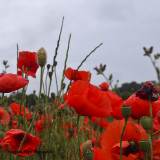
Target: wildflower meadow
pixel 78 120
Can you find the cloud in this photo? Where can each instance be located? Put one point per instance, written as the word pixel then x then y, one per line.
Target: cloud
pixel 123 26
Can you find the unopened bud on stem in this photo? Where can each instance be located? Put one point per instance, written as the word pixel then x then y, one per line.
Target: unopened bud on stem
pixel 41 57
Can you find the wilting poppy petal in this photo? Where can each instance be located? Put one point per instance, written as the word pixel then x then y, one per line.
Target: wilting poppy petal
pixel 11 82
pixel 148 89
pixel 13 138
pixel 27 61
pixel 72 74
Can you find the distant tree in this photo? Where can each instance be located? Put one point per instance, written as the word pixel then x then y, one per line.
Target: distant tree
pixel 127 89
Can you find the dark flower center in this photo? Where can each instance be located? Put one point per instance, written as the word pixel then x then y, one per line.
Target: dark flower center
pixel 19 137
pixel 133 148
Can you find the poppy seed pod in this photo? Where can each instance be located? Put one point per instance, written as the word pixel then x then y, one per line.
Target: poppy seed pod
pixel 146 123
pixel 41 57
pixel 126 111
pixel 144 146
pixel 87 146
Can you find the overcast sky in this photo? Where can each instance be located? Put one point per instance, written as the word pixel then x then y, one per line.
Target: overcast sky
pixel 124 27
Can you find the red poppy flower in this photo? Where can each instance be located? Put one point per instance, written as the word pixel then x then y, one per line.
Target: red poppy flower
pixel 41 123
pixel 111 141
pixel 16 109
pixel 13 138
pixel 4 117
pixel 148 89
pixel 11 82
pixel 39 126
pixel 75 75
pixel 88 100
pixel 27 60
pixel 28 115
pixel 140 107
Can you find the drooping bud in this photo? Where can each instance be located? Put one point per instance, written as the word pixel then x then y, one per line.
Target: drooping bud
pixel 126 111
pixel 148 90
pixel 50 75
pixel 53 96
pixel 63 86
pixel 144 146
pixel 48 66
pixel 55 63
pixel 146 123
pixel 41 57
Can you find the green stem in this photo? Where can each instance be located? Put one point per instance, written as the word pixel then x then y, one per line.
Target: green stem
pixel 150 142
pixel 65 65
pixel 110 83
pixel 145 156
pixel 151 116
pixel 99 126
pixel 155 133
pixel 56 80
pixel 50 81
pixel 1 101
pixel 122 138
pixel 154 65
pixel 35 115
pixel 78 129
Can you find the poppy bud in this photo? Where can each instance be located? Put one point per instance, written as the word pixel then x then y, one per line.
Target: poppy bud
pixel 34 92
pixel 48 66
pixel 144 146
pixel 53 96
pixel 50 75
pixel 55 63
pixel 126 111
pixel 63 86
pixel 89 155
pixel 87 148
pixel 59 113
pixel 146 123
pixel 41 57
